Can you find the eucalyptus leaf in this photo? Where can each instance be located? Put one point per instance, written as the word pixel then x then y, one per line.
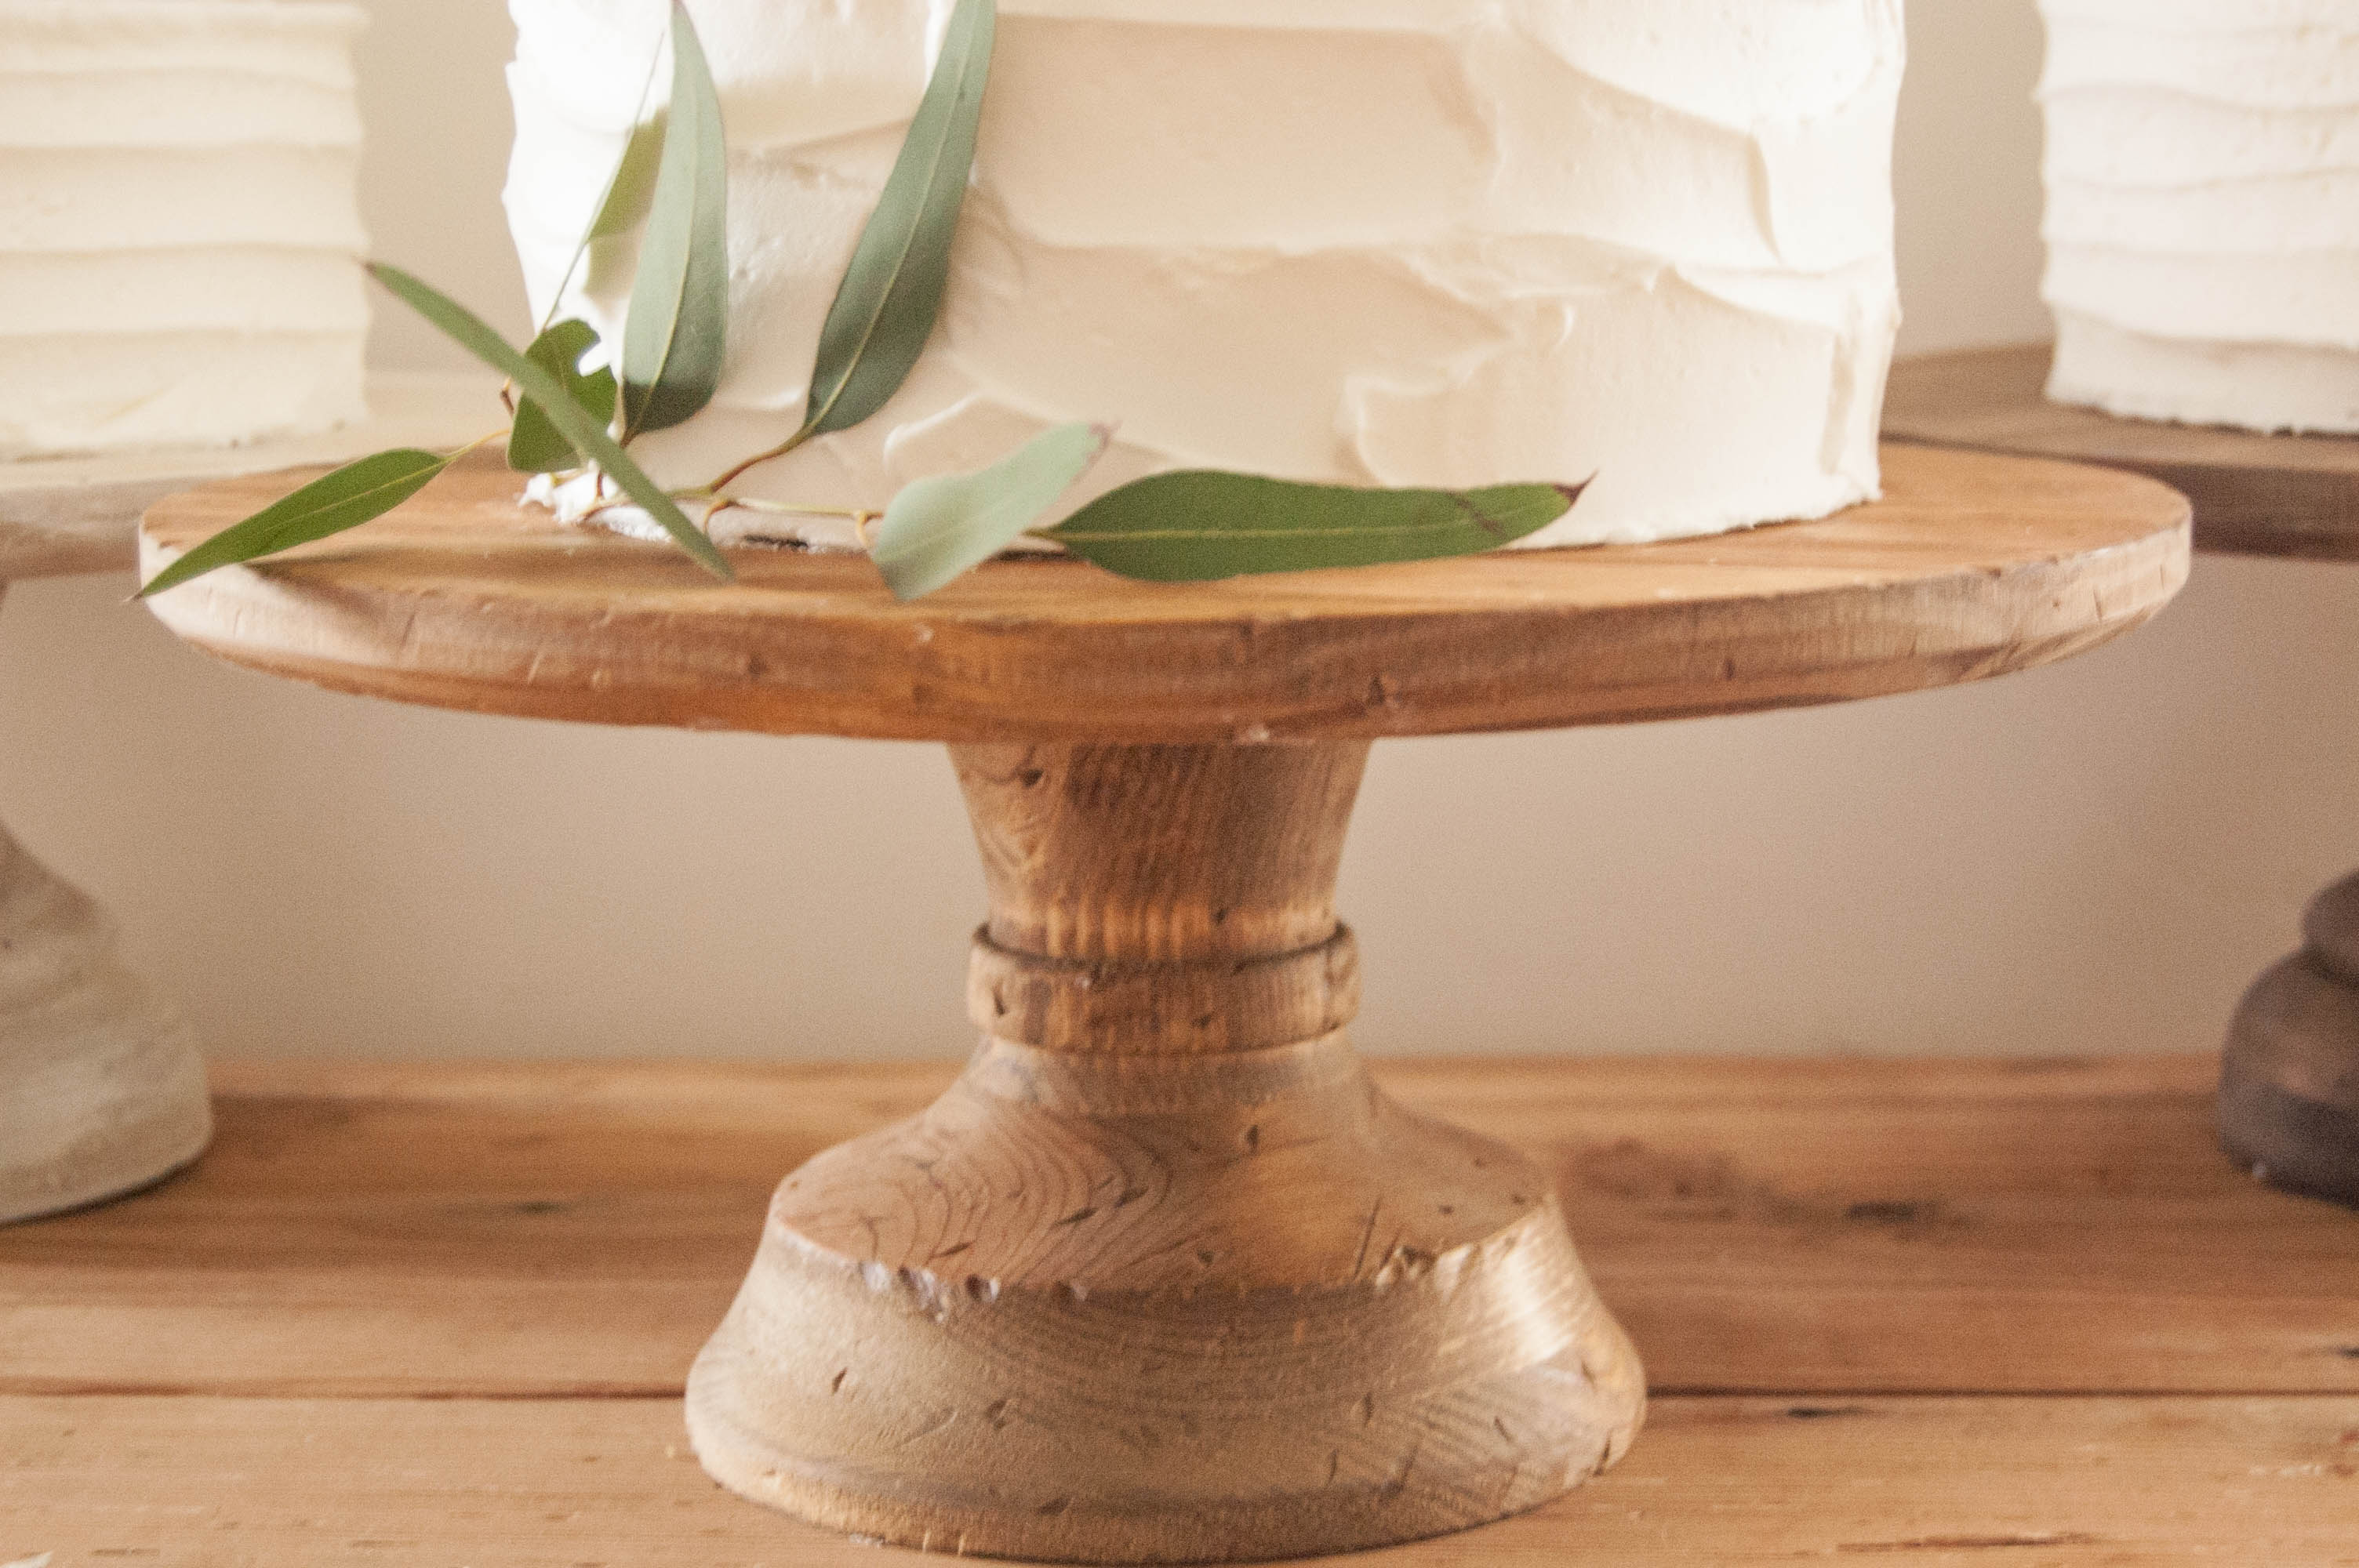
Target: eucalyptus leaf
pixel 632 191
pixel 572 421
pixel 1199 525
pixel 885 306
pixel 345 499
pixel 536 446
pixel 938 527
pixel 623 206
pixel 677 333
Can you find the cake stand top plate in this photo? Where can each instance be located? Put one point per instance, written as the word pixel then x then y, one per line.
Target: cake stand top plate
pixel 1971 566
pixel 2260 495
pixel 62 515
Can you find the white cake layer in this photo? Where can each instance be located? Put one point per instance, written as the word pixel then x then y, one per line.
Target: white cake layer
pixel 172 389
pixel 2261 386
pixel 1417 242
pixel 180 237
pixel 2203 209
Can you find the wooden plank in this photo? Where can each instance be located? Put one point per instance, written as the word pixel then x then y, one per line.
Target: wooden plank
pixel 1971 566
pixel 581 1484
pixel 1759 1226
pixel 2254 494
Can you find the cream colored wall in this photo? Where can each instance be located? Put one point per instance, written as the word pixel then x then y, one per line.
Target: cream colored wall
pixel 2090 858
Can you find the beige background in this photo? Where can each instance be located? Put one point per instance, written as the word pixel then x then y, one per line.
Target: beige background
pixel 2091 857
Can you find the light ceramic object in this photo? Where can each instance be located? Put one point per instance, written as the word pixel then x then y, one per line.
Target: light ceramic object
pixel 81 513
pixel 1408 243
pixel 100 1088
pixel 2202 174
pixel 179 252
pixel 1164 1278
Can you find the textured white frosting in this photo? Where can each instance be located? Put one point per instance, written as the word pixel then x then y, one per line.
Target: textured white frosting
pixel 1397 242
pixel 2203 209
pixel 179 240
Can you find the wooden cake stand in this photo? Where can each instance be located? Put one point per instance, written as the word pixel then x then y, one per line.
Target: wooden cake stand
pixel 2289 1083
pixel 1164 1277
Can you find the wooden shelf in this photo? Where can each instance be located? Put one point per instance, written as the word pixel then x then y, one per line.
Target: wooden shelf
pixel 1939 1312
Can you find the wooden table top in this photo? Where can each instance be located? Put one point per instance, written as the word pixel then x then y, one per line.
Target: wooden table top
pixel 2255 495
pixel 1971 566
pixel 1953 1314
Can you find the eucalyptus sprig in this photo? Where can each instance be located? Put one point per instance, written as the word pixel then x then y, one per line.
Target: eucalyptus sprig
pixel 670 187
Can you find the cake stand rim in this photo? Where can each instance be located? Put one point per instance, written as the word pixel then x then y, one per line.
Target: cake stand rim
pixel 1973 566
pixel 2289 496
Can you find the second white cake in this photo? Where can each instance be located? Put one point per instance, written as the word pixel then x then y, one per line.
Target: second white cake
pixel 1373 242
pixel 2204 210
pixel 180 242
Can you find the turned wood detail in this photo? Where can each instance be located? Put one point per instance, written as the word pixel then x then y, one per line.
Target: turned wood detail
pixel 1164 1277
pixel 1160 900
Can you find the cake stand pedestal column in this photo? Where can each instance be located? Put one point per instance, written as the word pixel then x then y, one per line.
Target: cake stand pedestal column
pixel 2289 1080
pixel 1164 1278
pixel 102 1091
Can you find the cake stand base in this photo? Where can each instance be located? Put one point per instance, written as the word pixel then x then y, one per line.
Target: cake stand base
pixel 100 1090
pixel 1163 1278
pixel 2289 1085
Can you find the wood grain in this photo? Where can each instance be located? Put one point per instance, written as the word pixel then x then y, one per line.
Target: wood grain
pixel 2263 495
pixel 1163 1276
pixel 2047 1483
pixel 1973 566
pixel 1800 1229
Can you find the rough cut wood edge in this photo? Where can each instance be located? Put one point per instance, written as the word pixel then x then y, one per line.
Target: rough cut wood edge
pixel 1973 566
pixel 101 1089
pixel 64 515
pixel 2252 494
pixel 1105 1310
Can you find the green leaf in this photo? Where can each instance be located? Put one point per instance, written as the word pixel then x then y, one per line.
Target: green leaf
pixel 623 206
pixel 631 193
pixel 535 446
pixel 572 421
pixel 677 333
pixel 937 528
pixel 884 308
pixel 345 499
pixel 1199 526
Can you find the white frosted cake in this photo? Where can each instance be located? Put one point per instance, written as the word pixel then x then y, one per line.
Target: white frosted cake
pixel 2203 209
pixel 1440 242
pixel 179 237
